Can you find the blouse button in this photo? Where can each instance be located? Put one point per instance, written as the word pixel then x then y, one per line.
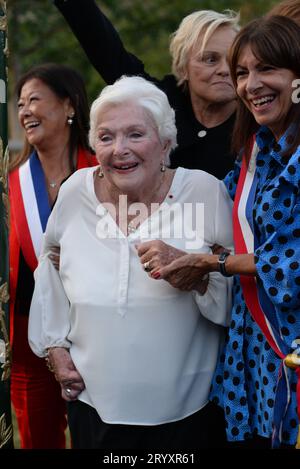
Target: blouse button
pixel 102 211
pixel 202 133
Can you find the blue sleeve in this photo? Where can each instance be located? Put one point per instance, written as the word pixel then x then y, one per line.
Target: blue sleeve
pixel 99 40
pixel 278 263
pixel 231 179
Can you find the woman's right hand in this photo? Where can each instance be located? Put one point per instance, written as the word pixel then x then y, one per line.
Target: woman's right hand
pixel 157 254
pixel 186 273
pixel 66 373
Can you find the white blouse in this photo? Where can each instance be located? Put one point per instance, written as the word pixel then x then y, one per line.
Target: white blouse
pixel 146 351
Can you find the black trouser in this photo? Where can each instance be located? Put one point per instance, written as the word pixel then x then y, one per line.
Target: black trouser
pixel 204 429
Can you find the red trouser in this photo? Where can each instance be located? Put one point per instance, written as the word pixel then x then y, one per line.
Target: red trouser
pixel 36 395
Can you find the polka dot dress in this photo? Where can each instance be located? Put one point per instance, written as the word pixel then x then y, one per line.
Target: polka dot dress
pixel 245 379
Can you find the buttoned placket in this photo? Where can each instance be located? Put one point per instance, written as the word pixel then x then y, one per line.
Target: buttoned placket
pixel 113 231
pixel 141 233
pixel 123 276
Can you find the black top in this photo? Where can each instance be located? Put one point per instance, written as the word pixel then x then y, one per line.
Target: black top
pixel 25 287
pixel 209 150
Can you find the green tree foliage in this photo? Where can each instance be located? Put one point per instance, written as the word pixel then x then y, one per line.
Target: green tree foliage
pixel 38 33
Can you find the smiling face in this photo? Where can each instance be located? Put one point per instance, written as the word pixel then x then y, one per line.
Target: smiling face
pixel 129 150
pixel 208 73
pixel 265 90
pixel 42 114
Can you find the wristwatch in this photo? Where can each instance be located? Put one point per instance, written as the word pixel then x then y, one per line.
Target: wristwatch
pixel 221 261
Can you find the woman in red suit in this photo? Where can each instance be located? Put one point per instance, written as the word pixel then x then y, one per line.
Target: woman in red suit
pixel 53 111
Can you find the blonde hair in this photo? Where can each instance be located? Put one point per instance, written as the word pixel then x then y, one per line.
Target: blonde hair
pixel 143 93
pixel 191 27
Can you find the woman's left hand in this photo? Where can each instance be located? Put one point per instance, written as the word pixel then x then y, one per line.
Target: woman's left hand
pixel 156 254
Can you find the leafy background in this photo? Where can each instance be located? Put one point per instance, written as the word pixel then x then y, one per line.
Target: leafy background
pixel 38 33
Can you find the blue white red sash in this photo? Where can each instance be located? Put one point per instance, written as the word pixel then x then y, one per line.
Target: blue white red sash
pixel 257 301
pixel 31 207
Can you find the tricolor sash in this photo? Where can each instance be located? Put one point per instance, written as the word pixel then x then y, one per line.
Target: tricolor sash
pixel 257 301
pixel 30 210
pixel 31 207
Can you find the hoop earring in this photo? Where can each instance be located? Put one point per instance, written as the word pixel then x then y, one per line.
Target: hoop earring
pixel 163 167
pixel 100 173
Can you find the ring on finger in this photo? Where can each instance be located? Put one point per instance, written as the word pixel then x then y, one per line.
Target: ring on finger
pixel 68 391
pixel 147 267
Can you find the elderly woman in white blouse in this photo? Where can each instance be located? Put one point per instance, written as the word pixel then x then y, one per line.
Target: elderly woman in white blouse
pixel 134 355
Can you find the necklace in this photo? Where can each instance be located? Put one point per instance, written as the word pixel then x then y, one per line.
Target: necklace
pixel 58 171
pixel 53 184
pixel 131 228
pixel 134 224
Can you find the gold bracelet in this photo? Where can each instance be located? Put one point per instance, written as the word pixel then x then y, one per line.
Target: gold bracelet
pixel 48 362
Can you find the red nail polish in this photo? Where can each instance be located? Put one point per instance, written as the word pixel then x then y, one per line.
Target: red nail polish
pixel 156 275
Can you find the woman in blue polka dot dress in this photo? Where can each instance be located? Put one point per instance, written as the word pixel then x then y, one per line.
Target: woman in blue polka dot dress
pixel 265 61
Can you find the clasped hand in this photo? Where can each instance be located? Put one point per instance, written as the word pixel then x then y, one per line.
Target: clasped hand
pixel 173 265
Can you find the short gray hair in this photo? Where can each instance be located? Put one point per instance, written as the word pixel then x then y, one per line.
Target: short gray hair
pixel 191 27
pixel 143 93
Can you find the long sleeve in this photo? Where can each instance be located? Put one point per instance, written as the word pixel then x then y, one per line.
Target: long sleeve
pixel 49 322
pixel 99 40
pixel 216 303
pixel 277 220
pixel 223 230
pixel 231 179
pixel 278 266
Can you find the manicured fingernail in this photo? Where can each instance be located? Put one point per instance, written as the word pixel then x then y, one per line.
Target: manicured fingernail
pixel 156 275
